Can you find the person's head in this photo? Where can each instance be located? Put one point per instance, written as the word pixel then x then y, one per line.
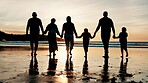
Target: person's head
pixel 105 13
pixel 34 14
pixel 68 19
pixel 123 29
pixel 53 20
pixel 85 30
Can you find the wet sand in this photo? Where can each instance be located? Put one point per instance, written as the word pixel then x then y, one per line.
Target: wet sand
pixel 16 65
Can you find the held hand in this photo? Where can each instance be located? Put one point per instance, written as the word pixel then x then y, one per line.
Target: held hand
pixel 94 35
pixel 77 36
pixel 61 36
pixel 114 36
pixel 42 34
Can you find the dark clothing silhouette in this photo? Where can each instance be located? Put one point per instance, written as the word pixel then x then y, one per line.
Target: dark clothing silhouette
pixel 123 41
pixel 52 30
pixel 106 24
pixel 34 24
pixel 69 29
pixel 86 37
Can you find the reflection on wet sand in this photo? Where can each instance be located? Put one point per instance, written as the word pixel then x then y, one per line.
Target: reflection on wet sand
pixel 105 73
pixel 52 66
pixel 123 70
pixel 69 67
pixel 33 69
pixel 85 67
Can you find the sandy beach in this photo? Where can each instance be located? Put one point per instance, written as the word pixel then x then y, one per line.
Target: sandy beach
pixel 16 65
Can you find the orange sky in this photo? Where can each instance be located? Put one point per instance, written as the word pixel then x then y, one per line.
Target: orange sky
pixel 132 14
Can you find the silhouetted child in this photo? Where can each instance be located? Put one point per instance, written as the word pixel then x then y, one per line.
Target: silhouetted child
pixel 123 41
pixel 86 37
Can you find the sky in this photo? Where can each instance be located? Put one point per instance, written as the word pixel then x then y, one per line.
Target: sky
pixel 131 14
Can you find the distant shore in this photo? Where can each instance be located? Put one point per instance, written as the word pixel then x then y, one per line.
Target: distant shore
pixel 22 37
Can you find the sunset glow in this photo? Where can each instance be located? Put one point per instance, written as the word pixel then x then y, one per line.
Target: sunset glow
pixel 132 14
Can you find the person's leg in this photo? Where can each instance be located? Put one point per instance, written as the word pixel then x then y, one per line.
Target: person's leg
pixel 121 51
pixel 85 46
pixel 105 39
pixel 126 52
pixel 36 47
pixel 71 44
pixel 106 44
pixel 67 45
pixel 54 55
pixel 49 52
pixel 31 45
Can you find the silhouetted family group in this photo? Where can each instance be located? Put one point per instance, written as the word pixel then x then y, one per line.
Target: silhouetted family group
pixel 68 29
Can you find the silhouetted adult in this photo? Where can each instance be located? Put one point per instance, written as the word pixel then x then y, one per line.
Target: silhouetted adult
pixel 69 29
pixel 52 30
pixel 34 24
pixel 106 24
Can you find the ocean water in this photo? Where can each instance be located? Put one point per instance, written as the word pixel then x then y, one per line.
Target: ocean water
pixel 77 44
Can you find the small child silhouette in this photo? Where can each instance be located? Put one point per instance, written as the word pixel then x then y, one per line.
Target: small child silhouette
pixel 86 37
pixel 123 41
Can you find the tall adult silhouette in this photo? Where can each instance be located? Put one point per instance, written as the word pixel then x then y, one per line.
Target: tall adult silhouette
pixel 106 25
pixel 34 24
pixel 69 29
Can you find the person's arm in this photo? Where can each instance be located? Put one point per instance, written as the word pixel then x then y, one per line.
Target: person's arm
pixel 62 31
pixel 90 36
pixel 41 26
pixel 46 30
pixel 58 31
pixel 75 31
pixel 113 29
pixel 126 34
pixel 98 27
pixel 27 27
pixel 80 36
pixel 117 36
